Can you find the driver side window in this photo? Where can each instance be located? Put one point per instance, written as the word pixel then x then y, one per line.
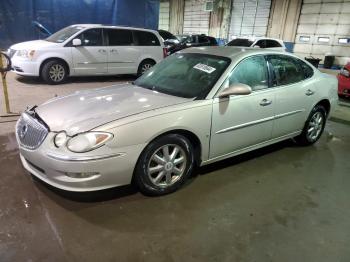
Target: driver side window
pixel 91 37
pixel 252 71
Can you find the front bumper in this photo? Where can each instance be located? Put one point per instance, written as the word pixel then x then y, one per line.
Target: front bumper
pixel 112 169
pixel 25 67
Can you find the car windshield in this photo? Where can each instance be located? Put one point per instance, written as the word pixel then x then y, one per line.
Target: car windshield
pixel 185 75
pixel 240 42
pixel 63 34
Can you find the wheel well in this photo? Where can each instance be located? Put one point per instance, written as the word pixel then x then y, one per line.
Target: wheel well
pixel 52 59
pixel 326 104
pixel 148 59
pixel 194 140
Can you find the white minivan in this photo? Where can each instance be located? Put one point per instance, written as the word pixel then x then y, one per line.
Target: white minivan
pixel 86 50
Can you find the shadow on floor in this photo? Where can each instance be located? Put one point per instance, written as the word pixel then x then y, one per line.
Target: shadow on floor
pixel 76 80
pixel 128 190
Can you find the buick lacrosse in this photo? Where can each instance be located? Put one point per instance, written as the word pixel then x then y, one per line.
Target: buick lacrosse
pixel 196 107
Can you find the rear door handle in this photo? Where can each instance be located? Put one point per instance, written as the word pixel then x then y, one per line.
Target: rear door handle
pixel 265 102
pixel 309 92
pixel 114 51
pixel 102 51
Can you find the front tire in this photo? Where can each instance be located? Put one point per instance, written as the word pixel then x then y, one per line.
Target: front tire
pixel 164 165
pixel 314 126
pixel 54 72
pixel 145 66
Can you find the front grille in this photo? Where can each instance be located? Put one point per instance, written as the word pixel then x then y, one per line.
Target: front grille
pixel 30 132
pixel 11 52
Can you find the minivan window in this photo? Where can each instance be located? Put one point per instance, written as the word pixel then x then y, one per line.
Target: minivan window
pixel 252 71
pixel 144 38
pixel 91 37
pixel 119 37
pixel 63 34
pixel 286 70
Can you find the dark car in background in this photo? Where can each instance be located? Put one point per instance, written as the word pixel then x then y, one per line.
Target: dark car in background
pixel 186 41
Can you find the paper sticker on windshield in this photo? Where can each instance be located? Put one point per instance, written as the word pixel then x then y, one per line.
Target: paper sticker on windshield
pixel 205 68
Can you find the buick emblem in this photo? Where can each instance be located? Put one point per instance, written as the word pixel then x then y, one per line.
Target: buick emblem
pixel 23 131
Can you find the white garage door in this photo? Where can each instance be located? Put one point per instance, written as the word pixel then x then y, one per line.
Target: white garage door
pixel 196 20
pixel 324 27
pixel 164 15
pixel 249 18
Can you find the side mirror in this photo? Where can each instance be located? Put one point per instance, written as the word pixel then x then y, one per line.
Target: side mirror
pixel 257 46
pixel 76 42
pixel 236 89
pixel 188 44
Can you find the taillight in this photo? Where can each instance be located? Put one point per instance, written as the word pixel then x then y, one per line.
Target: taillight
pixel 165 52
pixel 344 72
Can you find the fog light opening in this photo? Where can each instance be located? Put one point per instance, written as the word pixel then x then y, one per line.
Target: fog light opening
pixel 81 174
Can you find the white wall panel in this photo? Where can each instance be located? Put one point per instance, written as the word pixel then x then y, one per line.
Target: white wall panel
pixel 249 18
pixel 196 20
pixel 328 19
pixel 164 15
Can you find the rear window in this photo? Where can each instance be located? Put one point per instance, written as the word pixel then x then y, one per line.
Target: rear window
pixel 119 37
pixel 144 38
pixel 272 43
pixel 240 42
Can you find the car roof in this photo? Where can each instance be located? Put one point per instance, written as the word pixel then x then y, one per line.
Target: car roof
pixel 230 51
pixel 254 38
pixel 113 26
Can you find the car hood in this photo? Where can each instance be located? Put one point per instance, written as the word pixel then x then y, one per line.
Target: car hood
pixel 35 44
pixel 85 110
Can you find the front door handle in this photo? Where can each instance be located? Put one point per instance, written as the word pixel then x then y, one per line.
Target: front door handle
pixel 114 51
pixel 309 92
pixel 102 51
pixel 265 102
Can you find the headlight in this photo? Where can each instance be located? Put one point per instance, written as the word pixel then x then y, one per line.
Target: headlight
pixel 60 139
pixel 26 53
pixel 88 141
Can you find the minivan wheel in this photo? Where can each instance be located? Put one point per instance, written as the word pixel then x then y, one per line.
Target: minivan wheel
pixel 54 72
pixel 164 165
pixel 144 66
pixel 314 126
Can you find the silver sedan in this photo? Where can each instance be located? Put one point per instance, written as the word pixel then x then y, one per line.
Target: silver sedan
pixel 195 107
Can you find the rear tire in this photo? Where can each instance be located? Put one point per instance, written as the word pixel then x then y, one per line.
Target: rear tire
pixel 164 165
pixel 54 72
pixel 314 126
pixel 145 66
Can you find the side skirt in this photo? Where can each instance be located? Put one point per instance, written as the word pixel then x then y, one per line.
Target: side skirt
pixel 251 148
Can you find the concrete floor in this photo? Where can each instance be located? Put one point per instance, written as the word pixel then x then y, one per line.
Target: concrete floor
pixel 280 203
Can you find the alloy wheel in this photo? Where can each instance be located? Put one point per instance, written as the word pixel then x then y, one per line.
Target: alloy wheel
pixel 167 165
pixel 315 126
pixel 57 72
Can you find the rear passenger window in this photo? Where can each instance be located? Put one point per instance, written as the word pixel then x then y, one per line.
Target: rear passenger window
pixel 286 70
pixel 144 38
pixel 308 71
pixel 119 37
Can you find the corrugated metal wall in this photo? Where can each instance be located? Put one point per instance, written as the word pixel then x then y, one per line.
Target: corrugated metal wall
pixel 196 20
pixel 164 16
pixel 249 18
pixel 324 27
